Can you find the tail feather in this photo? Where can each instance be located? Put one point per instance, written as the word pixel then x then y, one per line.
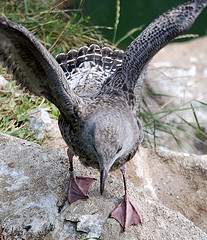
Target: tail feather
pixel 117 60
pixel 105 58
pixel 94 54
pixel 62 61
pixel 71 59
pixel 81 55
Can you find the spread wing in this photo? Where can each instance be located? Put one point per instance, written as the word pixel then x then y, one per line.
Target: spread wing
pixel 160 32
pixel 33 67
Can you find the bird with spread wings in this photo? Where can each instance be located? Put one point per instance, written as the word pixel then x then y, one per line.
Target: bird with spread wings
pixel 98 92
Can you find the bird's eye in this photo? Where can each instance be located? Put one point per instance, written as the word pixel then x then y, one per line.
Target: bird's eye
pixel 119 150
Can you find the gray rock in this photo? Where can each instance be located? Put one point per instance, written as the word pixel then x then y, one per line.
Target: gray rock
pixel 179 181
pixel 40 122
pixel 3 82
pixel 33 202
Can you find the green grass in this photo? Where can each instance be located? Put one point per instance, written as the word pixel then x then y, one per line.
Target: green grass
pixel 59 30
pixel 115 42
pixel 155 123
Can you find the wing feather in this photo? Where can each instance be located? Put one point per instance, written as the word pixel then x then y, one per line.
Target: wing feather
pixel 160 32
pixel 33 67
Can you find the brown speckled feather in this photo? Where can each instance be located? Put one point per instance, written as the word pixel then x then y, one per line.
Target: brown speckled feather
pixel 89 67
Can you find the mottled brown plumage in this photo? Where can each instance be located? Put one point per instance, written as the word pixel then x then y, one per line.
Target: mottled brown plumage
pixel 98 92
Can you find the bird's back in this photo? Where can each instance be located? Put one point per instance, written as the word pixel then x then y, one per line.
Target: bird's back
pixel 88 68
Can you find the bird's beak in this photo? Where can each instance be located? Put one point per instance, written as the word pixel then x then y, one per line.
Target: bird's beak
pixel 104 174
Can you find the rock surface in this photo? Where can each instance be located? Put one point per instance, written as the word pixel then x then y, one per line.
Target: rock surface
pixel 34 182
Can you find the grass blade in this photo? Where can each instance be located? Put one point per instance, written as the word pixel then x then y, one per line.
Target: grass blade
pixel 116 20
pixel 128 34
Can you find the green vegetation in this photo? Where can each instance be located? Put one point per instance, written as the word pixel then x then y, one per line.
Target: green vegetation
pixel 155 122
pixel 116 23
pixel 58 29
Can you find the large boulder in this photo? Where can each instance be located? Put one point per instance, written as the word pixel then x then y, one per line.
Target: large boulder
pixel 162 184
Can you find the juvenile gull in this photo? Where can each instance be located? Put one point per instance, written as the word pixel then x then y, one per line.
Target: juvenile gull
pixel 98 92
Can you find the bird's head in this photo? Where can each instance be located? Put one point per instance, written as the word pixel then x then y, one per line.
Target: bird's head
pixel 113 136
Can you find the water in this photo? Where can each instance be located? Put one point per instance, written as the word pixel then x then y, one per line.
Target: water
pixel 134 13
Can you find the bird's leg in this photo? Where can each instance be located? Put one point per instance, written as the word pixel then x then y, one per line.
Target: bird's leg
pixel 78 186
pixel 125 213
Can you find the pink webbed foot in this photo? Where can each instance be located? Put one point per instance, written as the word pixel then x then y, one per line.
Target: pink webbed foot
pixel 126 214
pixel 79 187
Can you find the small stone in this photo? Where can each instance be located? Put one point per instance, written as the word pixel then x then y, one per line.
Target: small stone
pixel 40 122
pixel 90 224
pixel 3 82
